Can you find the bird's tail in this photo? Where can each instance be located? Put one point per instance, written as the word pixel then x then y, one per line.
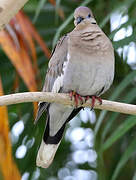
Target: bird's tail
pixel 50 142
pixel 46 154
pixel 49 146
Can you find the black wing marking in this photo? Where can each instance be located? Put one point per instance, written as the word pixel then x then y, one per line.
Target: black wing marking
pixel 41 108
pixel 58 136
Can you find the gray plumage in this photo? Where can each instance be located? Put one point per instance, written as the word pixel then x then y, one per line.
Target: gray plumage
pixel 83 61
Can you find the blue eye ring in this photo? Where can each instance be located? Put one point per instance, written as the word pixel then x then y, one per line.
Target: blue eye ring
pixel 89 15
pixel 79 19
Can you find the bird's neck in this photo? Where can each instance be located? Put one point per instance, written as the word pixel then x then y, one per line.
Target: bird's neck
pixel 88 40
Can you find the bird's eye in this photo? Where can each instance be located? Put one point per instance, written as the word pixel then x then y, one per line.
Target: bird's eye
pixel 79 19
pixel 89 15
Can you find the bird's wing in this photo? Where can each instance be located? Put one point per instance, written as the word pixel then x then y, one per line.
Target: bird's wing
pixel 53 80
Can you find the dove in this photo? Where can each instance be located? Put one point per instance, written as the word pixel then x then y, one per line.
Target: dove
pixel 82 64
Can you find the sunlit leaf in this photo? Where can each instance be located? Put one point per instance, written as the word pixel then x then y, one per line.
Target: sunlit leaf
pixel 20 59
pixel 7 165
pixel 28 37
pixel 16 83
pixel 53 2
pixel 125 41
pixel 36 36
pixel 59 10
pixel 120 7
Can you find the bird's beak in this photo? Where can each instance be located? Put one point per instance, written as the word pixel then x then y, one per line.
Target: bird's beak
pixel 92 20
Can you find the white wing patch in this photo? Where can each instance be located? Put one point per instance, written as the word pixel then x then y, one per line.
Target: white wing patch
pixel 68 56
pixel 59 81
pixel 57 84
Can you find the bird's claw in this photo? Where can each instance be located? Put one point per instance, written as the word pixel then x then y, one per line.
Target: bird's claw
pixel 94 99
pixel 83 99
pixel 77 98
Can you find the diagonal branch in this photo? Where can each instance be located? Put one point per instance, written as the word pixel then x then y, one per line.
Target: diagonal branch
pixel 8 9
pixel 64 99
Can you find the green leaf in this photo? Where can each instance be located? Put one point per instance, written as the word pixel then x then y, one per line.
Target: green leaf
pixel 127 99
pixel 108 125
pixel 38 10
pixel 120 7
pixel 119 132
pixel 124 158
pixel 127 80
pixel 58 3
pixel 125 25
pixel 134 177
pixel 125 41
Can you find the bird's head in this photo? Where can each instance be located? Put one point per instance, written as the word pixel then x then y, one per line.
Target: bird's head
pixel 83 15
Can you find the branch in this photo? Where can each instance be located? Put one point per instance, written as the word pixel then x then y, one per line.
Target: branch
pixel 8 9
pixel 64 99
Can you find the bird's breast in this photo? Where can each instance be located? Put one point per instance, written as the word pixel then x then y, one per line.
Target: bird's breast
pixel 90 67
pixel 87 75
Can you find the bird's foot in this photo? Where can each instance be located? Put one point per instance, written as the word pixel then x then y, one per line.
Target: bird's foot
pixel 78 99
pixel 93 100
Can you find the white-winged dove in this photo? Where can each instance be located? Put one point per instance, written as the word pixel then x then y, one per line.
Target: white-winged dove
pixel 82 64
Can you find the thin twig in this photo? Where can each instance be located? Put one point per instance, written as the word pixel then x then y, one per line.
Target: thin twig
pixel 64 99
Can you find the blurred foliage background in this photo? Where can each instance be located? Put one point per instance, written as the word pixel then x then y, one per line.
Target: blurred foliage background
pixel 97 145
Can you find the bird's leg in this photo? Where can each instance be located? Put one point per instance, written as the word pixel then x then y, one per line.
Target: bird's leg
pixel 83 99
pixel 77 97
pixel 71 95
pixel 94 99
pixel 86 98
